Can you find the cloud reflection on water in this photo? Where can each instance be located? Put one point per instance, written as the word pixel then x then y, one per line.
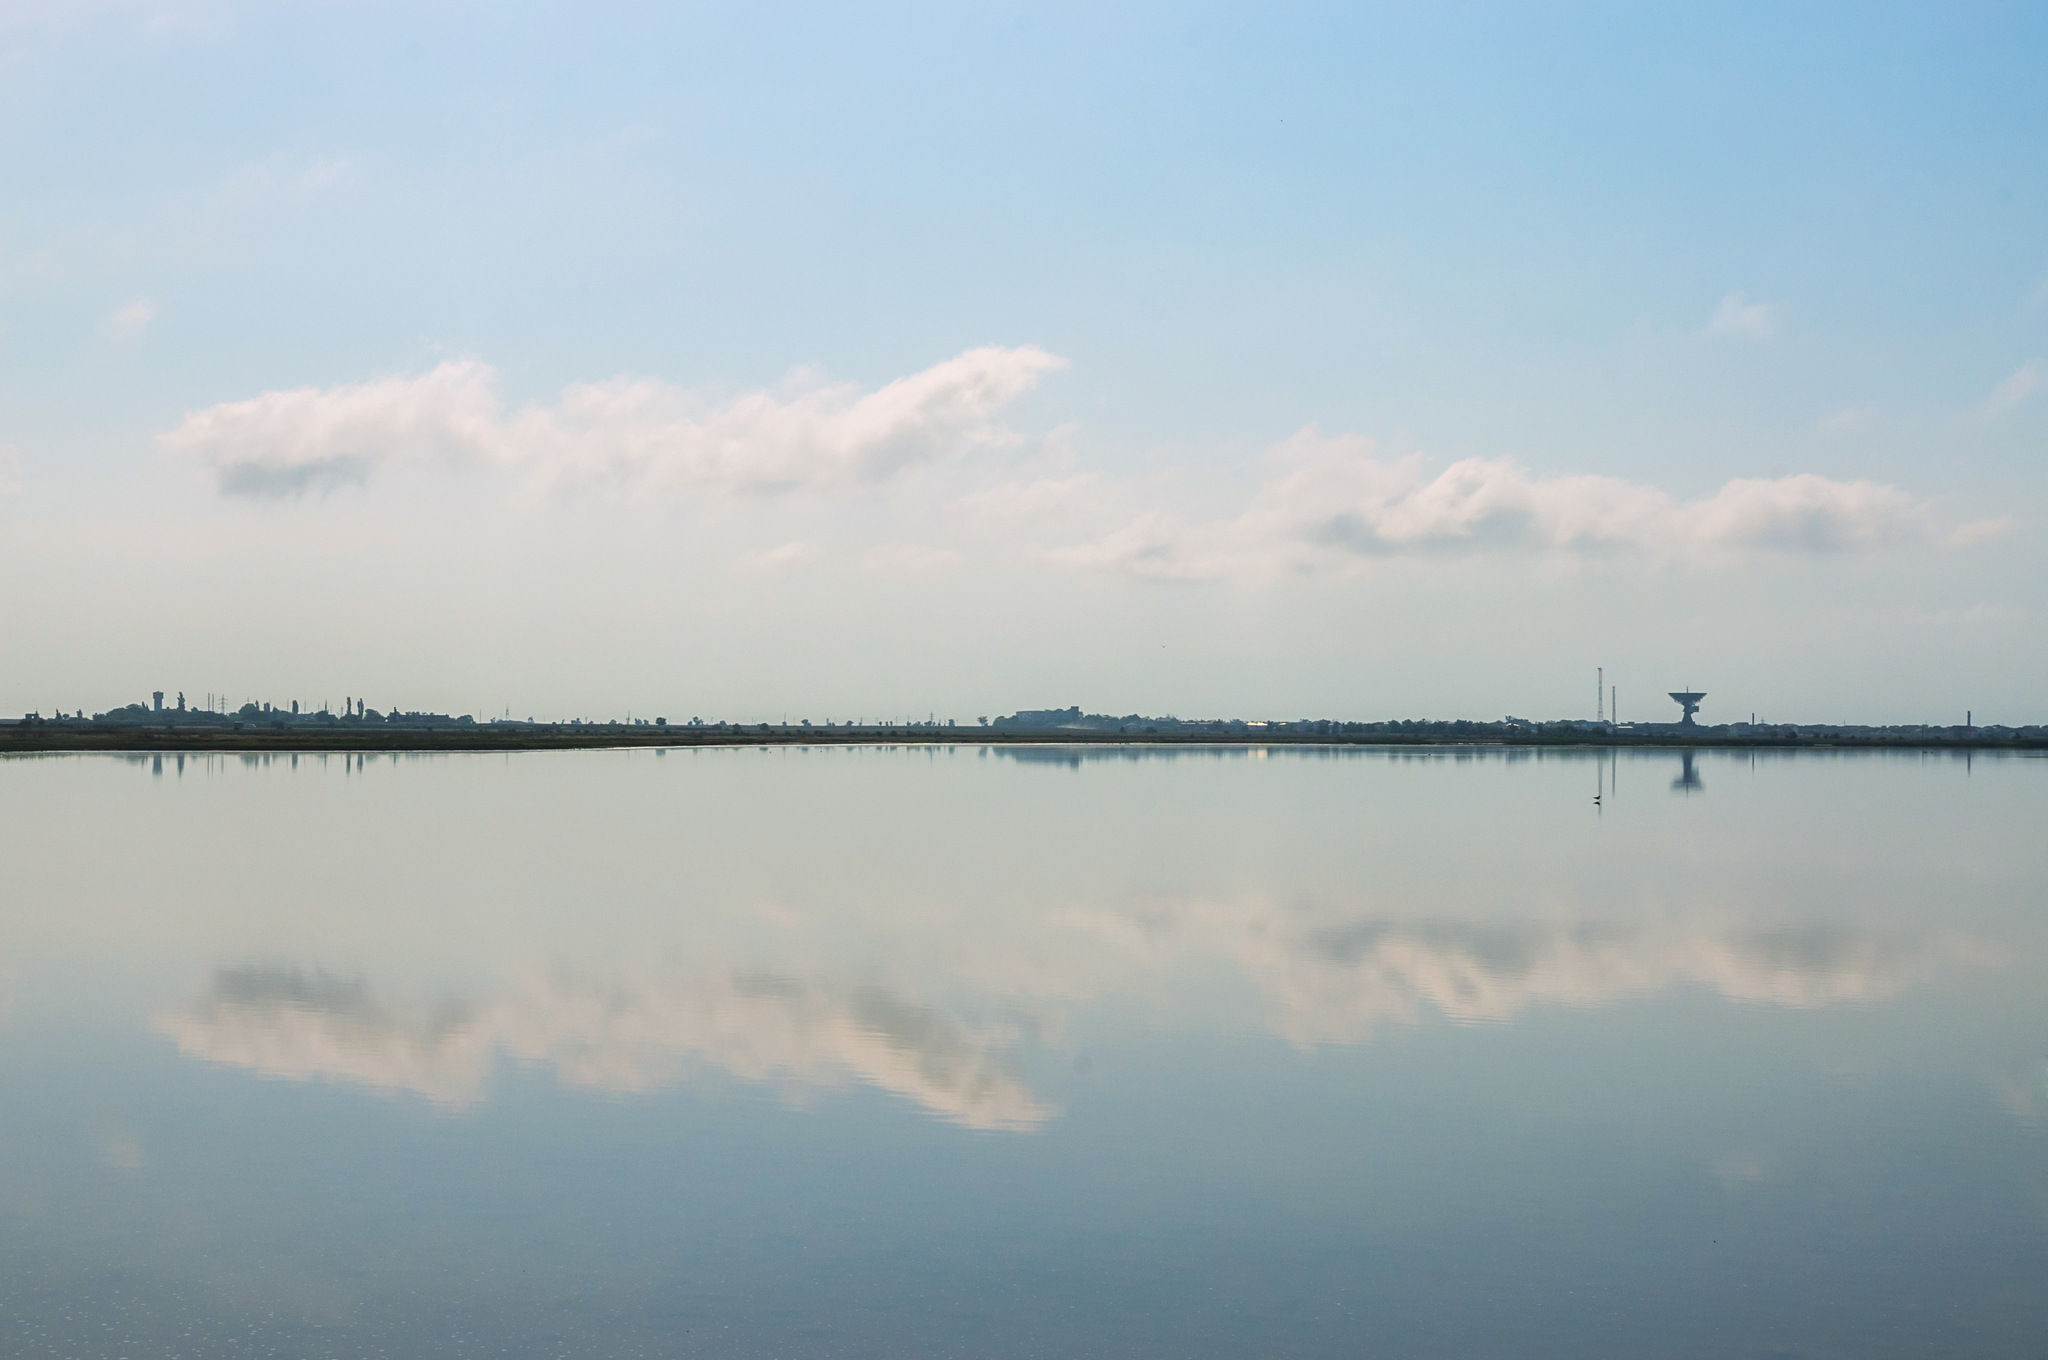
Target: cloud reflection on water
pixel 1336 984
pixel 1319 976
pixel 626 1035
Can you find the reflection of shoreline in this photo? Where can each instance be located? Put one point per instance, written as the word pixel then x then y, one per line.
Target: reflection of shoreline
pixel 1688 760
pixel 1074 756
pixel 631 1035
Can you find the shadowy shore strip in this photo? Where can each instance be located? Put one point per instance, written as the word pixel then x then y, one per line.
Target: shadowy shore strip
pixel 58 737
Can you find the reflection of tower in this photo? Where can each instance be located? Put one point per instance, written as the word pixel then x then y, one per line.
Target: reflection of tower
pixel 1688 778
pixel 1689 700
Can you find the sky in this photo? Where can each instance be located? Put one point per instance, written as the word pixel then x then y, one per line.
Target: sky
pixel 874 362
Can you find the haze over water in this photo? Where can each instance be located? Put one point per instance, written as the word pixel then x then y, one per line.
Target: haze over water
pixel 1008 1052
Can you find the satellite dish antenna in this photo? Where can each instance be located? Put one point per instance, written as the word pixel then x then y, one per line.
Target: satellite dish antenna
pixel 1689 700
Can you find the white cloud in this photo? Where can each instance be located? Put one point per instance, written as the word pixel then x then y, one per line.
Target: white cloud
pixel 30 28
pixel 1739 316
pixel 288 180
pixel 1327 504
pixel 910 559
pixel 631 435
pixel 1981 531
pixel 1160 547
pixel 1801 513
pixel 1037 502
pixel 2030 379
pixel 318 176
pixel 783 558
pixel 129 322
pixel 1847 421
pixel 1334 505
pixel 1983 614
pixel 315 439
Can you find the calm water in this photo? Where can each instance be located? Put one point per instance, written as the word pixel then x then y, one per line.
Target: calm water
pixel 1020 1053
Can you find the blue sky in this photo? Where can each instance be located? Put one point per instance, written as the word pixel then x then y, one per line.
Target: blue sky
pixel 1362 361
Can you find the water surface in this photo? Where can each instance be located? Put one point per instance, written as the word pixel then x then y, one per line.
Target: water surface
pixel 1024 1051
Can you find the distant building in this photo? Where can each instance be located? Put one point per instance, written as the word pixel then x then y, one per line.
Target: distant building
pixel 1044 717
pixel 156 701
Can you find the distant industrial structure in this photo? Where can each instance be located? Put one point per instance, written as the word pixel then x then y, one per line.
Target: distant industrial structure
pixel 1689 700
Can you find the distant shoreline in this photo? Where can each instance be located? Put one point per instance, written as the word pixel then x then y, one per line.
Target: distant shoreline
pixel 58 737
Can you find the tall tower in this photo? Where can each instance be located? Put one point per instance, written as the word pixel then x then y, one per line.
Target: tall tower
pixel 1599 694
